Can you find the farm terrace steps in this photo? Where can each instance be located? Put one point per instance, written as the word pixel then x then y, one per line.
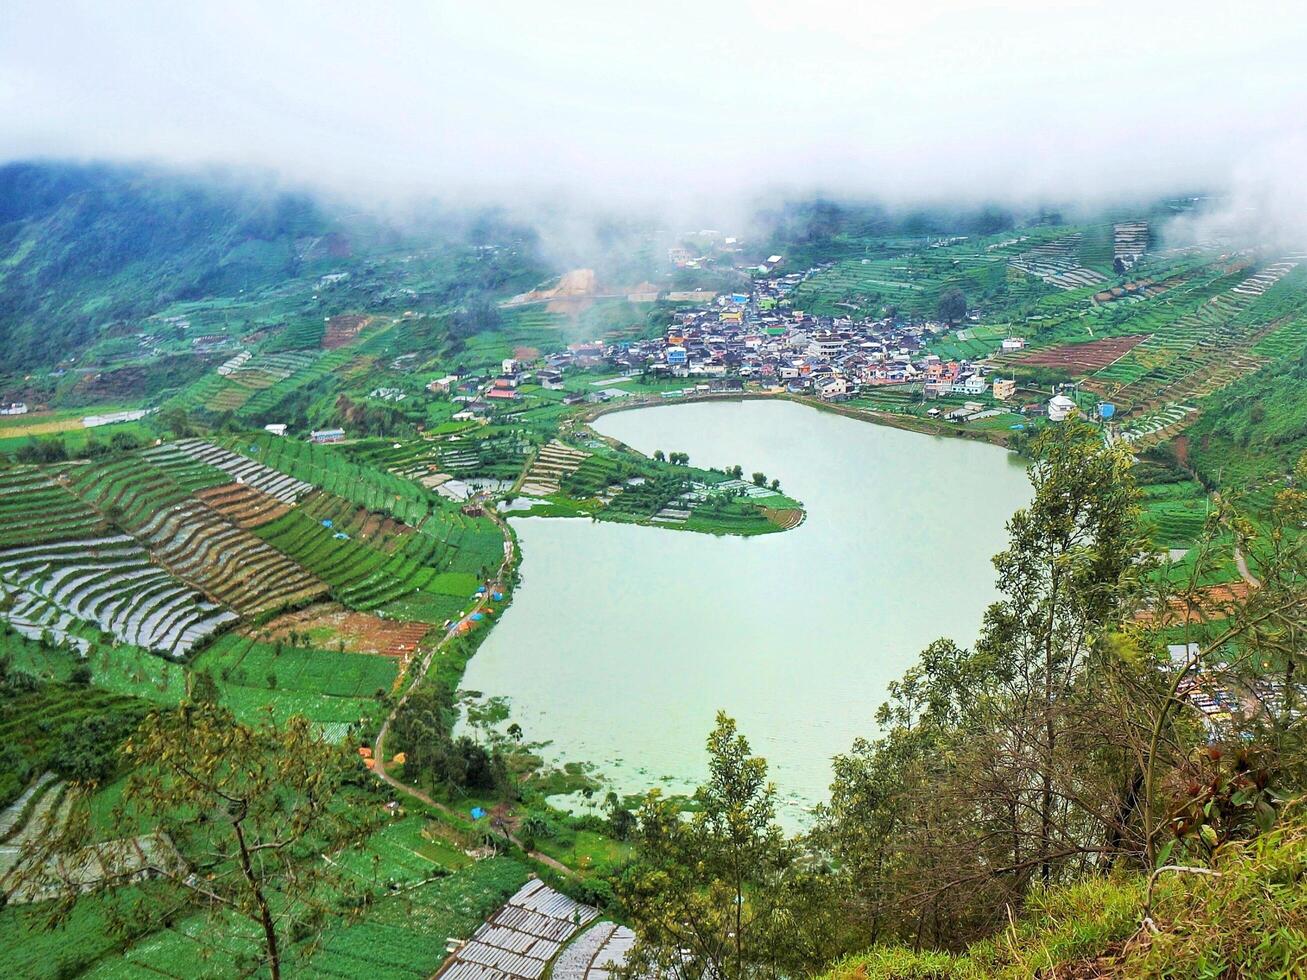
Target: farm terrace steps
pixel 111 582
pixel 193 540
pixel 285 488
pixel 44 806
pixel 1057 263
pixel 1129 240
pixel 554 461
pixel 34 508
pixel 227 561
pixel 243 504
pixel 1195 354
pixel 1089 356
pixel 519 940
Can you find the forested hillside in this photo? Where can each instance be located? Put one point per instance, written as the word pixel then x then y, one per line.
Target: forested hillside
pixel 83 246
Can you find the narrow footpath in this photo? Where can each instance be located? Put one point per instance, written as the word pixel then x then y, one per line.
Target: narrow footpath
pixel 416 676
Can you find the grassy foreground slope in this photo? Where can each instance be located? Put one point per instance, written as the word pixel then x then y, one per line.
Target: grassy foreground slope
pixel 1248 919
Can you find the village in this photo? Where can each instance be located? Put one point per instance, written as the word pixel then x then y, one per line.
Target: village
pixel 755 342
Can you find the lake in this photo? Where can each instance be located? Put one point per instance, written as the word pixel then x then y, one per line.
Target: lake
pixel 622 642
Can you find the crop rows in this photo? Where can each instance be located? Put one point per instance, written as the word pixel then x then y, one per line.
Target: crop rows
pixel 553 463
pixel 242 660
pixel 240 468
pixel 595 954
pixel 267 400
pixel 1288 340
pixel 331 471
pixel 266 370
pixel 359 576
pixel 1058 263
pixel 195 541
pixel 593 477
pixel 34 508
pixel 498 456
pixel 111 582
pixel 1194 354
pixel 242 504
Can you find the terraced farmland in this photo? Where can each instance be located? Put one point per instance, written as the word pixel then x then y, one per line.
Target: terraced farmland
pixel 111 582
pixel 553 463
pixel 242 504
pixel 1086 358
pixel 1129 241
pixel 1058 263
pixel 910 282
pixel 194 541
pixel 240 468
pixel 1194 354
pixel 34 508
pixel 1287 340
pixel 360 576
pixel 594 955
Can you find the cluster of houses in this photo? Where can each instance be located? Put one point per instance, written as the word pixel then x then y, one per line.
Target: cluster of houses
pixel 749 337
pixel 752 337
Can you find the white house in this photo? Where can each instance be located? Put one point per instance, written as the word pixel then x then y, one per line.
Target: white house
pixel 1060 407
pixel 834 388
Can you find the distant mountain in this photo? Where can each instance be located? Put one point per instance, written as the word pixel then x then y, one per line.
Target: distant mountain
pixel 84 246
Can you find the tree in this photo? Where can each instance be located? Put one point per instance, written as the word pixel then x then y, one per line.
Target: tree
pixel 256 805
pixel 622 823
pixel 659 456
pixel 759 479
pixel 952 305
pixel 1005 762
pixel 721 892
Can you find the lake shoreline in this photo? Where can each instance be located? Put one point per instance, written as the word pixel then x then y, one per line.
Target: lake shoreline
pixel 891 419
pixel 679 604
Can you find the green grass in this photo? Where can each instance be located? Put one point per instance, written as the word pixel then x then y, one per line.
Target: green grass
pixel 1251 921
pixel 327 686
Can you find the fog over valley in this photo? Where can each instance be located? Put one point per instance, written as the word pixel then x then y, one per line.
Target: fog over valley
pixel 691 110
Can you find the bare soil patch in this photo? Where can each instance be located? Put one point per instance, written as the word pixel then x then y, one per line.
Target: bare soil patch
pixel 1083 358
pixel 344 328
pixel 329 623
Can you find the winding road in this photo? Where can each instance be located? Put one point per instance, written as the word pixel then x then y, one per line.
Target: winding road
pixel 417 676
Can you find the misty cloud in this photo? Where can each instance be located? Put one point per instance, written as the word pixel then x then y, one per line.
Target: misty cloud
pixel 691 103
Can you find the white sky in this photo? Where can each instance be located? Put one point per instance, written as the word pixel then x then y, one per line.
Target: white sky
pixel 652 101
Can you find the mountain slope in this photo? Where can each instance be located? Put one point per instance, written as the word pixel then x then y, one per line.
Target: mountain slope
pixel 82 246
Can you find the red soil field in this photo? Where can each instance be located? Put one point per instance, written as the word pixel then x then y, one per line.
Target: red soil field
pixel 243 504
pixel 359 632
pixel 344 328
pixel 1083 358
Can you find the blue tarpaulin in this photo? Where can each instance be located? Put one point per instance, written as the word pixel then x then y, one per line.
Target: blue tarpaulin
pixel 326 522
pixel 478 813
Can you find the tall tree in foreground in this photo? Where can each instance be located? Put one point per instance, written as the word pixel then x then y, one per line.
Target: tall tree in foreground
pixel 721 892
pixel 993 769
pixel 253 808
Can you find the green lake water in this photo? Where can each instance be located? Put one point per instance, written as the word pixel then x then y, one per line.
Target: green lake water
pixel 622 642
